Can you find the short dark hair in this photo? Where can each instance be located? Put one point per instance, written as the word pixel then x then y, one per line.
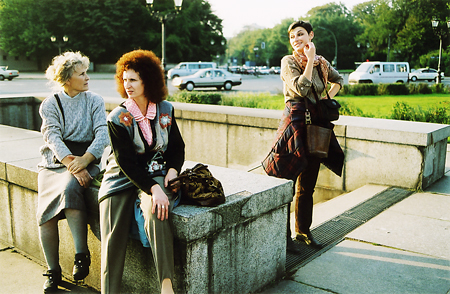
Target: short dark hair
pixel 148 66
pixel 300 23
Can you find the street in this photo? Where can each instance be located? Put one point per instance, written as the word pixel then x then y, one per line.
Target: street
pixel 35 84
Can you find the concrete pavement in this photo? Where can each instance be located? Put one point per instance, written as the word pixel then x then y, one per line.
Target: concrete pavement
pixel 404 249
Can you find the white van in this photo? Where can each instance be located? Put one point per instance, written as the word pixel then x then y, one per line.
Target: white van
pixel 188 68
pixel 380 72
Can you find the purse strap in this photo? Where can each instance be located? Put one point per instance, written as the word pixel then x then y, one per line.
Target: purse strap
pixel 319 70
pixel 60 107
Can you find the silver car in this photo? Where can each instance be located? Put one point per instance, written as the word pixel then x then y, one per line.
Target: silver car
pixel 6 73
pixel 429 74
pixel 208 78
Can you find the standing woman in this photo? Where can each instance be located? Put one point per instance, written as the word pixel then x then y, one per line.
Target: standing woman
pixel 73 116
pixel 305 75
pixel 147 152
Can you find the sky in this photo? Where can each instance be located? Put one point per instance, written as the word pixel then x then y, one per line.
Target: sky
pixel 236 14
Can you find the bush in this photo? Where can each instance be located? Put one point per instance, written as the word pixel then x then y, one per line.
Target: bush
pixel 420 88
pixel 437 114
pixel 402 111
pixel 363 90
pixel 392 89
pixel 196 97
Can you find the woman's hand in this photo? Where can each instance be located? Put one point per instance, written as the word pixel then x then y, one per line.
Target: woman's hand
pixel 310 51
pixel 160 203
pixel 83 177
pixel 171 174
pixel 79 163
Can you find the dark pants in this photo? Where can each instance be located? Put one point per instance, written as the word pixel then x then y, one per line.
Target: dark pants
pixel 303 192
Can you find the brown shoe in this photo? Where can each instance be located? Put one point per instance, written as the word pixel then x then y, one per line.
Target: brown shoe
pixel 308 240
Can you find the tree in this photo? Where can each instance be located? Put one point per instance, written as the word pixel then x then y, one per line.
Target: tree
pixel 335 19
pixel 104 30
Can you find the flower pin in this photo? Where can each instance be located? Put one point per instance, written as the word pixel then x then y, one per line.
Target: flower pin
pixel 126 119
pixel 165 120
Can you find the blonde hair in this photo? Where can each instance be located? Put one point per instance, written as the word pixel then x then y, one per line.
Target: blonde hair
pixel 63 67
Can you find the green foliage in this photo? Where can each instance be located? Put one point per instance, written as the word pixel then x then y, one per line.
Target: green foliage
pixel 196 97
pixel 436 114
pixel 393 89
pixel 420 88
pixel 360 89
pixel 104 30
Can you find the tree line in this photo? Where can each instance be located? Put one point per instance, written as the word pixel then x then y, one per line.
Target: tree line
pixel 382 30
pixel 395 30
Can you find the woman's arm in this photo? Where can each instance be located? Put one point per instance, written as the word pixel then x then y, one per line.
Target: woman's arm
pixel 127 158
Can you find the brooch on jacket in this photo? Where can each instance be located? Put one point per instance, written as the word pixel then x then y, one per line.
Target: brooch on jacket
pixel 126 119
pixel 165 120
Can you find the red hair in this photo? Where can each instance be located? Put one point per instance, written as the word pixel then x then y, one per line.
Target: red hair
pixel 148 66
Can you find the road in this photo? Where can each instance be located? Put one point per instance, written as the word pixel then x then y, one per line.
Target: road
pixel 105 85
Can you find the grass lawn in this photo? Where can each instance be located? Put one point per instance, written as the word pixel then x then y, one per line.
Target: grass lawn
pixel 381 106
pixel 373 106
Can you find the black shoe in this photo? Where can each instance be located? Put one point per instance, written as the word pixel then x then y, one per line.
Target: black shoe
pixel 81 266
pixel 292 247
pixel 53 280
pixel 308 240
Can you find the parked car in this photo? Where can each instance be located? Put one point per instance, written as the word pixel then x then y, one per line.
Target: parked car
pixel 262 70
pixel 6 73
pixel 380 72
pixel 188 68
pixel 206 78
pixel 275 70
pixel 429 74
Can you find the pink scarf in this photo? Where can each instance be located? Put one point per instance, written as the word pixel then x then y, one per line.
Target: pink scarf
pixel 144 124
pixel 318 60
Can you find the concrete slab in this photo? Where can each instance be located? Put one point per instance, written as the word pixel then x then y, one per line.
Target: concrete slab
pixel 442 186
pixel 419 224
pixel 19 274
pixel 289 287
pixel 329 209
pixel 356 267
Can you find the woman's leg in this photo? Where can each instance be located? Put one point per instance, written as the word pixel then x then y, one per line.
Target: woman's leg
pixel 115 218
pixel 78 226
pixel 49 237
pixel 160 236
pixel 305 185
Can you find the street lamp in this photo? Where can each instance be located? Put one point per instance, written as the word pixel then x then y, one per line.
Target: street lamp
pixel 163 18
pixel 441 31
pixel 335 45
pixel 60 43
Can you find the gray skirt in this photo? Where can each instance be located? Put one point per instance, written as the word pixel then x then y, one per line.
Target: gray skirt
pixel 58 189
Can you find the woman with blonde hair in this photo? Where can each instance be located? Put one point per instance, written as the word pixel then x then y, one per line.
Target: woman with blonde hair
pixel 75 136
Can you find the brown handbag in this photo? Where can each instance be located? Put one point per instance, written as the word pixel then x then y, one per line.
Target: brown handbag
pixel 317 137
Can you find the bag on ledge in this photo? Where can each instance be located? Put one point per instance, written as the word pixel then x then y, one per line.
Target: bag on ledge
pixel 199 187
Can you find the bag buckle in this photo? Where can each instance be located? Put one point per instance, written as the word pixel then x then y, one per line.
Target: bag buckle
pixel 308 117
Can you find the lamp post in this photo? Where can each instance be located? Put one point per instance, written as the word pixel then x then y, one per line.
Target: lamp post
pixel 59 44
pixel 441 30
pixel 163 18
pixel 335 45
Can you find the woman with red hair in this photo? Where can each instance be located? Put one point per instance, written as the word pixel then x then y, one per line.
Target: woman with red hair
pixel 147 152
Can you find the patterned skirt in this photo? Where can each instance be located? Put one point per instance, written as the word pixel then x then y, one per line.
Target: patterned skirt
pixel 58 189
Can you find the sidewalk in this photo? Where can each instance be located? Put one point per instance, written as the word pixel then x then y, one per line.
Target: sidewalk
pixel 404 249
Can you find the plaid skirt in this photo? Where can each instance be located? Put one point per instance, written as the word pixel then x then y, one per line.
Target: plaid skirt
pixel 58 189
pixel 294 116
